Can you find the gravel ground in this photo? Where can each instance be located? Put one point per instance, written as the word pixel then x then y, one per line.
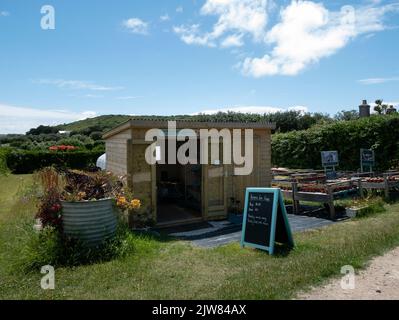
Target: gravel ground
pixel 379 281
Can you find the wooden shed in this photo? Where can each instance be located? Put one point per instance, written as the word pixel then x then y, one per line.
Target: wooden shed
pixel 173 194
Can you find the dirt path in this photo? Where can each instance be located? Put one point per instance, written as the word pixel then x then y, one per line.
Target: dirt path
pixel 379 281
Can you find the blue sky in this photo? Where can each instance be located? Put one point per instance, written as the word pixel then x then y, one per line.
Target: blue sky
pixel 185 57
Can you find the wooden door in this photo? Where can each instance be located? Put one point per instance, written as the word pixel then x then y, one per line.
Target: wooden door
pixel 214 186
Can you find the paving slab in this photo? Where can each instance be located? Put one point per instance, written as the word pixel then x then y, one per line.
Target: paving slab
pixel 298 224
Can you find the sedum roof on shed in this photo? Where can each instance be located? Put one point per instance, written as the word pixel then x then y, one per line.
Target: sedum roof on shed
pixel 186 123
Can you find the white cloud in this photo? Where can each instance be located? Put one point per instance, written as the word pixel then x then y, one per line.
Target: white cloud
pixel 136 25
pixel 235 40
pixel 243 15
pixel 309 32
pixel 305 33
pixel 4 13
pixel 235 19
pixel 301 109
pixel 179 9
pixel 94 96
pixel 75 85
pixel 254 109
pixel 164 17
pixel 192 35
pixel 21 119
pixel 371 18
pixel 370 81
pixel 127 97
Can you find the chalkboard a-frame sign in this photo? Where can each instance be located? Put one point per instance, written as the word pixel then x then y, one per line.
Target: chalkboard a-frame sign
pixel 265 220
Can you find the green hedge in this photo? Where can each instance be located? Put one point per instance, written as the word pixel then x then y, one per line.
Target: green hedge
pixel 19 161
pixel 301 149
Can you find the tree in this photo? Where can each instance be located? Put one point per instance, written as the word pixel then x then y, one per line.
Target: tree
pixel 42 129
pixel 96 135
pixel 347 115
pixel 391 110
pixel 380 108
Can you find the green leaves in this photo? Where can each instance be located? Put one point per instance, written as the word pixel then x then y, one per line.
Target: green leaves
pixel 301 149
pixel 21 161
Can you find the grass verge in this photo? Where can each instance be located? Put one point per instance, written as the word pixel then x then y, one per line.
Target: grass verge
pixel 160 269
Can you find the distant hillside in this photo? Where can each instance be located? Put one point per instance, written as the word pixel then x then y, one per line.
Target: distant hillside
pixel 100 123
pixel 285 121
pixel 106 122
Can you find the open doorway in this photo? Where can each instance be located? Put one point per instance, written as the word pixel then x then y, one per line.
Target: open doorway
pixel 179 197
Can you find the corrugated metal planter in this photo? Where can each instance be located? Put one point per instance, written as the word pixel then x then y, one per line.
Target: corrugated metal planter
pixel 92 222
pixel 354 212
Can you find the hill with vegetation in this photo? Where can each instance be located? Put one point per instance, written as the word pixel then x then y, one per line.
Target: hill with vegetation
pixel 100 123
pixel 296 142
pixel 285 121
pixel 86 135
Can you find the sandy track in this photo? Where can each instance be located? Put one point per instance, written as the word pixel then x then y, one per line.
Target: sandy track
pixel 379 281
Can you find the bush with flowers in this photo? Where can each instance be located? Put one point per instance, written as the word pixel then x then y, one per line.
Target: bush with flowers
pixel 73 185
pixel 49 207
pixel 125 204
pixel 62 148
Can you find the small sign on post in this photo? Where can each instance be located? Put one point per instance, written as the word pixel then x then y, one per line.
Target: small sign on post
pixel 367 159
pixel 265 220
pixel 329 160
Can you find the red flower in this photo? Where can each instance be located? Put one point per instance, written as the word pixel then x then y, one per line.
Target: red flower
pixel 55 208
pixel 62 148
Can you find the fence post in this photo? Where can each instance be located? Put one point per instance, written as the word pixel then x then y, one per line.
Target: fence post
pixel 331 202
pixel 360 185
pixel 386 185
pixel 294 199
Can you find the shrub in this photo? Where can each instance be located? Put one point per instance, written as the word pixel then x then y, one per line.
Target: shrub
pixel 368 206
pixel 99 146
pixel 50 246
pixel 77 140
pixel 301 149
pixel 22 161
pixel 71 142
pixel 62 148
pixel 42 129
pixel 96 135
pixel 75 185
pixel 3 160
pixel 49 212
pixel 375 206
pixel 81 185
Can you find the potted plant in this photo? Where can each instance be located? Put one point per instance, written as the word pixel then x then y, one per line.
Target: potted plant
pixel 352 212
pixel 83 206
pixel 364 207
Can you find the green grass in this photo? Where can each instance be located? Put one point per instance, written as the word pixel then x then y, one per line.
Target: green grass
pixel 158 269
pixel 10 185
pixel 3 161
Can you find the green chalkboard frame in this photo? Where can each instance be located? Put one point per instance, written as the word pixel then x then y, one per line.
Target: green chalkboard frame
pixel 277 201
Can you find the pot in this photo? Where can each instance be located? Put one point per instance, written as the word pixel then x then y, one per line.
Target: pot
pixel 92 222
